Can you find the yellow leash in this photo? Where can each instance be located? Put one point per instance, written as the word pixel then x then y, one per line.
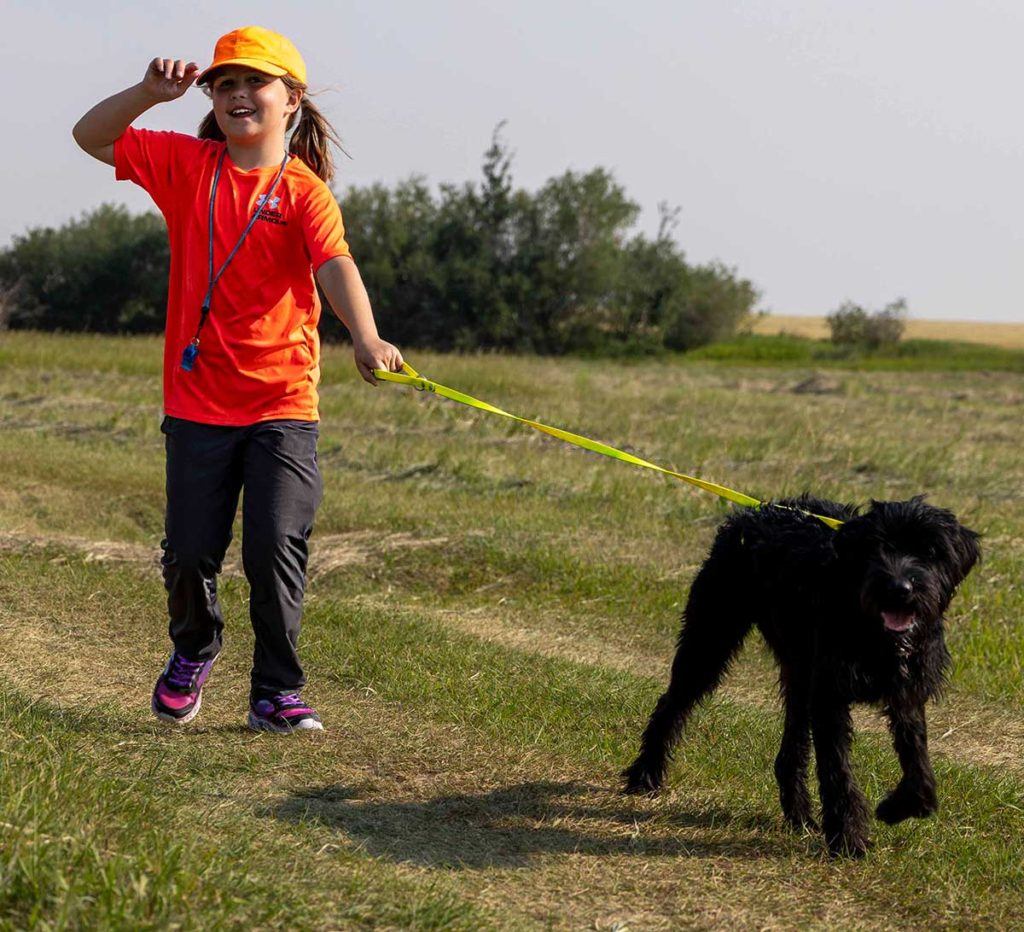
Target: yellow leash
pixel 409 376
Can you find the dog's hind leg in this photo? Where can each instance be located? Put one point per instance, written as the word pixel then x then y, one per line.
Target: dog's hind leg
pixel 914 796
pixel 714 626
pixel 791 763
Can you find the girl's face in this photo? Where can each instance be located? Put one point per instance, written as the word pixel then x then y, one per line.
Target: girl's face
pixel 250 104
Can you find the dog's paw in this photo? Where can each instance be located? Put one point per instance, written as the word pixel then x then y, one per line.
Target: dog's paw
pixel 640 781
pixel 797 808
pixel 902 804
pixel 847 837
pixel 849 844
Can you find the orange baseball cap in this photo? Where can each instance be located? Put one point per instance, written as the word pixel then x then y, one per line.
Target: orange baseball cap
pixel 258 48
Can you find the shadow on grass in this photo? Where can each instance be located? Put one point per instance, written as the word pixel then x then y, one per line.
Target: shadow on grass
pixel 514 826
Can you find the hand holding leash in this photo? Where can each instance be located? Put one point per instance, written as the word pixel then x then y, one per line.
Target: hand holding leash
pixel 377 354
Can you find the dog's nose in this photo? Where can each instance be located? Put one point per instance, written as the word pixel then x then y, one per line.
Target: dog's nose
pixel 902 587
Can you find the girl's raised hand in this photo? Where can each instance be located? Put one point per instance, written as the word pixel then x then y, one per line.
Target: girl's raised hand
pixel 169 78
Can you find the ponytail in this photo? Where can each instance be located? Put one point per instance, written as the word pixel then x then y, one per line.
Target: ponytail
pixel 313 135
pixel 209 128
pixel 311 140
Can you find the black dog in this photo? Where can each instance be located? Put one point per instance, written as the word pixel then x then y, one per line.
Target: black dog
pixel 851 615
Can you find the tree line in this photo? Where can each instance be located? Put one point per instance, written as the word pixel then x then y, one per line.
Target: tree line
pixel 482 265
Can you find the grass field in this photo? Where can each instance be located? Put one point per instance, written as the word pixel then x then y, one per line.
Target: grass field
pixel 1006 335
pixel 489 620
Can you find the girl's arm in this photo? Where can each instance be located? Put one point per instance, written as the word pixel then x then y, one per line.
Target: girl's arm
pixel 343 285
pixel 165 79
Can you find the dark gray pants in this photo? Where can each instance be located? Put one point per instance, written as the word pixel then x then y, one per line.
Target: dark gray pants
pixel 207 467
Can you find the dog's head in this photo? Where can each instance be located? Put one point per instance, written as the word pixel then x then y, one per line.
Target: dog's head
pixel 906 560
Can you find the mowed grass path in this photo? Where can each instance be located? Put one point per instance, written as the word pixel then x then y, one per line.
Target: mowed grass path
pixel 489 620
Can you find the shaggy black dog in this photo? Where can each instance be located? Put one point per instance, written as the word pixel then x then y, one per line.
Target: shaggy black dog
pixel 851 615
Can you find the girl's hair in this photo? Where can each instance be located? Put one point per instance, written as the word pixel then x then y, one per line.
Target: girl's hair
pixel 311 140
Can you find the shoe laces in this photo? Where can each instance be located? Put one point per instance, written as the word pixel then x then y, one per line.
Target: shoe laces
pixel 182 674
pixel 288 702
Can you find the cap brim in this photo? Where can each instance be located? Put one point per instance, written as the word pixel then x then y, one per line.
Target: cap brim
pixel 253 63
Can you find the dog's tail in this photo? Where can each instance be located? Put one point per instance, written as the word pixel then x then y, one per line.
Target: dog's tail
pixel 716 621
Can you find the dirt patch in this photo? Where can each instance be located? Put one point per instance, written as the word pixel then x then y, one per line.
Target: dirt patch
pixel 818 384
pixel 94 551
pixel 327 553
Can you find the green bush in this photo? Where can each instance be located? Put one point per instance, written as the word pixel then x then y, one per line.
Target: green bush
pixel 106 271
pixel 852 326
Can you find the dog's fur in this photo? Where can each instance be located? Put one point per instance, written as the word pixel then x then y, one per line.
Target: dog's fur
pixel 851 615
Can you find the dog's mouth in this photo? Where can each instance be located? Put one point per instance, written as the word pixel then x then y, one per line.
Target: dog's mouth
pixel 898 621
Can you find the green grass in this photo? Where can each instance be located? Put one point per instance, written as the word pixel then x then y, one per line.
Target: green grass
pixel 486 658
pixel 96 837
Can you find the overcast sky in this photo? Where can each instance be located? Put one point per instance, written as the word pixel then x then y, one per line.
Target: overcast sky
pixel 828 149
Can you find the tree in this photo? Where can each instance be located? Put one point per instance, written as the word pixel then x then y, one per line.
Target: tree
pixel 391 232
pixel 106 271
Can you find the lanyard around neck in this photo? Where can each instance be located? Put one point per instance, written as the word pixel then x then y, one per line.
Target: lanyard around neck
pixel 213 279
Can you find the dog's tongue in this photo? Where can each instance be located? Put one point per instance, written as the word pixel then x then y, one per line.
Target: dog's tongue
pixel 897 621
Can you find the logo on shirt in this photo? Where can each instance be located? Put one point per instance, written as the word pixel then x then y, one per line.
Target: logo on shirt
pixel 269 211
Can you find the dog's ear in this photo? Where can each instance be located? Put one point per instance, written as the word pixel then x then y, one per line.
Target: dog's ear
pixel 966 550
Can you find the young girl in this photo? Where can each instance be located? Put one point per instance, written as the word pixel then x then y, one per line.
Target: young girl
pixel 251 221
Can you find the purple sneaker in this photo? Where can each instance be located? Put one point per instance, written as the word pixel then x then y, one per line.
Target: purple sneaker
pixel 178 693
pixel 283 714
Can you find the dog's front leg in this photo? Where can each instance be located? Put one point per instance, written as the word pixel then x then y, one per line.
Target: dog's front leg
pixel 791 763
pixel 844 810
pixel 914 796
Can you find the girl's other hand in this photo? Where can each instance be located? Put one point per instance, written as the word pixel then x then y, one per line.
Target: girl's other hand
pixel 169 78
pixel 376 354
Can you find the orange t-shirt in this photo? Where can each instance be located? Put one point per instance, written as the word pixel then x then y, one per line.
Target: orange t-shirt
pixel 259 352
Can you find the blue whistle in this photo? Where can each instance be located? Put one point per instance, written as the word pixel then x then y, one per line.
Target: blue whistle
pixel 188 357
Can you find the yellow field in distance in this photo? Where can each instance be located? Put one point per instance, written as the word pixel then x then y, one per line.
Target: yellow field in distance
pixel 1009 335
